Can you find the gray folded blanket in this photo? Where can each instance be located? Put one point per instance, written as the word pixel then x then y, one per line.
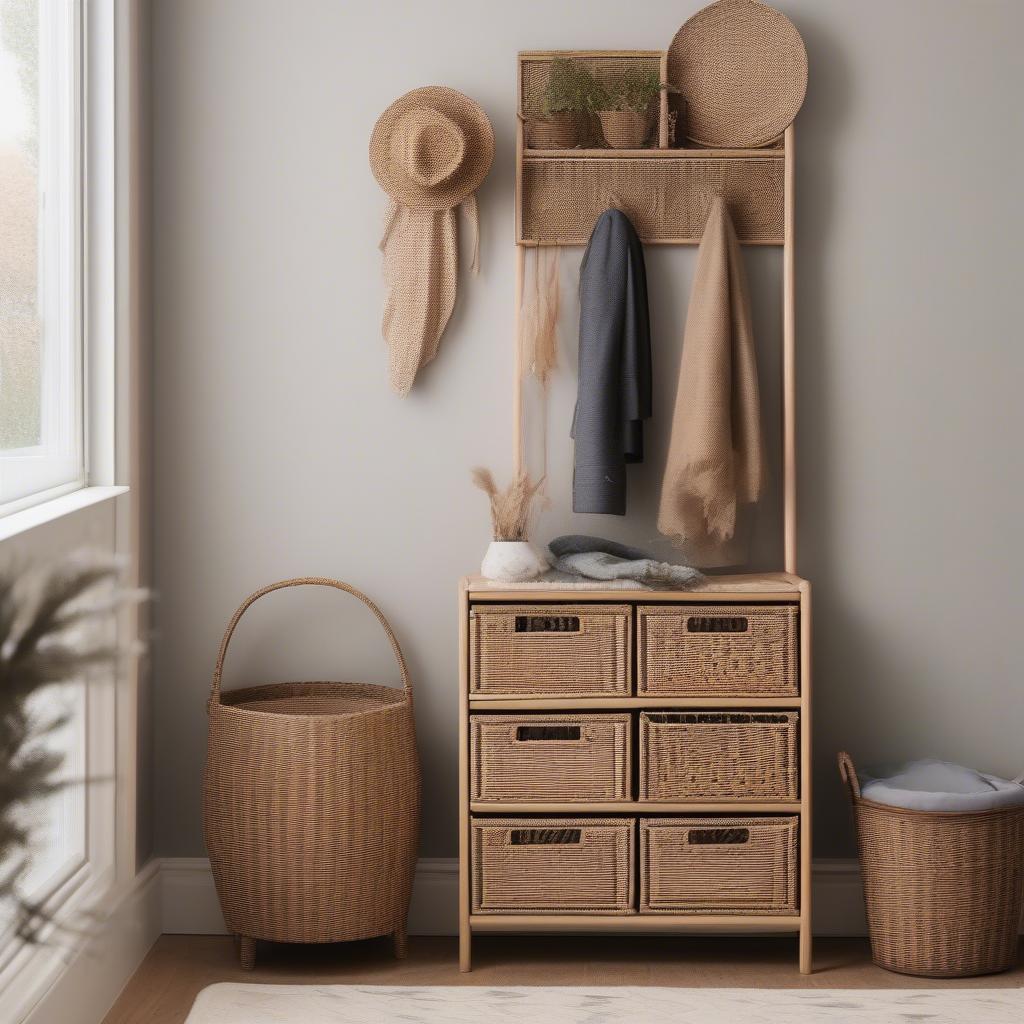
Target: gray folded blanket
pixel 598 559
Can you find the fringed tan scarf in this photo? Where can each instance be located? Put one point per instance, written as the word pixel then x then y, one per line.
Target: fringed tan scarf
pixel 539 318
pixel 421 270
pixel 716 461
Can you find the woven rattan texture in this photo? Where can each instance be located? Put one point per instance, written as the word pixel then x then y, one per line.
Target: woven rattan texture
pixel 742 68
pixel 761 661
pixel 627 129
pixel 697 865
pixel 666 199
pixel 719 756
pixel 535 74
pixel 528 757
pixel 311 803
pixel 943 891
pixel 591 660
pixel 592 874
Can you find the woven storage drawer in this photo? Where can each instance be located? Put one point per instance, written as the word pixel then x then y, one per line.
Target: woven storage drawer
pixel 550 650
pixel 718 650
pixel 718 865
pixel 550 758
pixel 719 755
pixel 548 865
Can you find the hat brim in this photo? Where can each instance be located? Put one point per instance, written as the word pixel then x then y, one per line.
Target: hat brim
pixel 479 134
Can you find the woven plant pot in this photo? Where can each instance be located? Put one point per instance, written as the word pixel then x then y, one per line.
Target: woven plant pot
pixel 943 890
pixel 559 131
pixel 624 129
pixel 312 803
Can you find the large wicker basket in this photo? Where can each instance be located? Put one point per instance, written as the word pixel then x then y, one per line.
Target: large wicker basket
pixel 311 803
pixel 942 889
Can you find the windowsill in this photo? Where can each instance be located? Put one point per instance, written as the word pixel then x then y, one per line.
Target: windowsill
pixel 47 511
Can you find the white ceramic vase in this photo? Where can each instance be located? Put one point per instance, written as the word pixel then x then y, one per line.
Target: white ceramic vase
pixel 513 561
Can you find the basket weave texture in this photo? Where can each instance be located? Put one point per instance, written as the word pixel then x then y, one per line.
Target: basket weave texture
pixel 702 650
pixel 569 650
pixel 549 865
pixel 311 802
pixel 942 890
pixel 552 758
pixel 742 68
pixel 718 865
pixel 607 69
pixel 666 199
pixel 719 755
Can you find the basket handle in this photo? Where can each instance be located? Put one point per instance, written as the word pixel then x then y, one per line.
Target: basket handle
pixel 303 581
pixel 849 774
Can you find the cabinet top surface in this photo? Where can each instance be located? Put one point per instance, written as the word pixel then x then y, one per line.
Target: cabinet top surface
pixel 777 585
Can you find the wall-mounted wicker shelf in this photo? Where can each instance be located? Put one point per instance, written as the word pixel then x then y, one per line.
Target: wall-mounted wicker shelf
pixel 665 192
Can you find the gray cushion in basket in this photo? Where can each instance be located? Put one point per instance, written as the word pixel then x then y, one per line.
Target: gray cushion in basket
pixel 940 786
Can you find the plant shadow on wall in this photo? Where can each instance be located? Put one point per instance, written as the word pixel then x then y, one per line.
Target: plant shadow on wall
pixel 56 628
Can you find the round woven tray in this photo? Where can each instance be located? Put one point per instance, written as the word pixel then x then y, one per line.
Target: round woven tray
pixel 742 68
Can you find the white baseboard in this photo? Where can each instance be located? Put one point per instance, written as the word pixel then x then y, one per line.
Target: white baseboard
pixel 190 905
pixel 83 985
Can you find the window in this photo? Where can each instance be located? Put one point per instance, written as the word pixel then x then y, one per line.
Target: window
pixel 41 350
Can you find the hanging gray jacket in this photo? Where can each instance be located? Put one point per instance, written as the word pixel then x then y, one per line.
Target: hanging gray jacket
pixel 614 396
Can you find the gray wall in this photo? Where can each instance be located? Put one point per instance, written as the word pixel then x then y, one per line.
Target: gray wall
pixel 280 451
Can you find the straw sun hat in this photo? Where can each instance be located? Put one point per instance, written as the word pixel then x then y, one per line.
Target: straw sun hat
pixel 430 151
pixel 432 148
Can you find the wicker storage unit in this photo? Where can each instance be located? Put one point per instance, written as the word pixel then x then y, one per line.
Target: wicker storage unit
pixel 552 865
pixel 943 890
pixel 719 755
pixel 716 651
pixel 564 650
pixel 550 758
pixel 311 803
pixel 718 865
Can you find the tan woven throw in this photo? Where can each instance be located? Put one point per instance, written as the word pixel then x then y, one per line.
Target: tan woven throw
pixel 716 459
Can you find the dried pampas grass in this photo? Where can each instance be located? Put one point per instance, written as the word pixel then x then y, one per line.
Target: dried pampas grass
pixel 510 508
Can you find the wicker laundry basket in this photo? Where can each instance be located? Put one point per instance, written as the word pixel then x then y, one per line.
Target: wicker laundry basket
pixel 942 889
pixel 312 803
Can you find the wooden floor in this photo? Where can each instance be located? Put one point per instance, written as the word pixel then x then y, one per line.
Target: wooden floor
pixel 178 966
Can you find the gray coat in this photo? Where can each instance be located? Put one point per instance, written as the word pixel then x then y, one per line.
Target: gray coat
pixel 614 396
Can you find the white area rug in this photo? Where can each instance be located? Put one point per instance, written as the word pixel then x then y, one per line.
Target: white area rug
pixel 358 1004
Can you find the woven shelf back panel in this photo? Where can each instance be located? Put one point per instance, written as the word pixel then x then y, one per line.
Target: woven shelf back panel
pixel 606 68
pixel 667 200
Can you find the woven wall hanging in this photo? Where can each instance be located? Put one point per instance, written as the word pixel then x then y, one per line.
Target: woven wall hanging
pixel 742 68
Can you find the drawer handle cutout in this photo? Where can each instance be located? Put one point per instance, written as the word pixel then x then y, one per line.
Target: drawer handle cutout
pixel 548 732
pixel 547 623
pixel 545 836
pixel 719 836
pixel 717 624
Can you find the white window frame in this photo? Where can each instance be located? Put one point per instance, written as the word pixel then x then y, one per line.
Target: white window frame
pixel 110 373
pixel 56 466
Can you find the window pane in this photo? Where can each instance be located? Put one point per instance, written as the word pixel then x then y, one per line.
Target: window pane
pixel 20 334
pixel 40 249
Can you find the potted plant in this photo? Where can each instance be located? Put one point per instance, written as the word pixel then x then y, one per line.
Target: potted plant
pixel 556 114
pixel 626 108
pixel 510 557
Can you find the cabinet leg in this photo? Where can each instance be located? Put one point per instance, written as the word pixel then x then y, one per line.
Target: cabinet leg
pixel 806 950
pixel 465 955
pixel 400 938
pixel 247 952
